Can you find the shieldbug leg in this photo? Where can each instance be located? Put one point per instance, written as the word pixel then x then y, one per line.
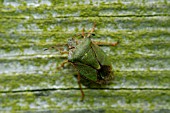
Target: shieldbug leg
pixel 106 43
pixel 62 64
pixel 64 52
pixel 61 50
pixel 79 83
pixel 56 47
pixel 92 30
pixel 83 34
pixel 49 48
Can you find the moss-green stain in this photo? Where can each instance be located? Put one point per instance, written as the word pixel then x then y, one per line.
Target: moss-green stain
pixel 18 39
pixel 154 99
pixel 138 79
pixel 91 9
pixel 143 31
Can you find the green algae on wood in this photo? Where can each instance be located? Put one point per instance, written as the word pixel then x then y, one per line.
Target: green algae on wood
pixel 30 82
pixel 119 99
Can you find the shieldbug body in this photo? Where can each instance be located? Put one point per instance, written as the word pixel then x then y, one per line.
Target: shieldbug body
pixel 90 61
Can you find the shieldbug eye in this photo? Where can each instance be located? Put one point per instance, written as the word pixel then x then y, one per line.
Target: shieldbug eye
pixel 93 34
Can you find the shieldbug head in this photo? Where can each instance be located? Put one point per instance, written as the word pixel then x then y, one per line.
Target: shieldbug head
pixel 90 61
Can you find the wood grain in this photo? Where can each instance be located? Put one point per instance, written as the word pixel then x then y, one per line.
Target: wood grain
pixel 30 82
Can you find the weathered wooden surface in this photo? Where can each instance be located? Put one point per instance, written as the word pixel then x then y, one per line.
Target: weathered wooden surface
pixel 29 81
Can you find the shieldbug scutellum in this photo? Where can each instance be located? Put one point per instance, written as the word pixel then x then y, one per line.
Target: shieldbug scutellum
pixel 89 60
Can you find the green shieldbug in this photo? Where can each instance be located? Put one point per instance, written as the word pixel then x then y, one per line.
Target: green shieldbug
pixel 90 60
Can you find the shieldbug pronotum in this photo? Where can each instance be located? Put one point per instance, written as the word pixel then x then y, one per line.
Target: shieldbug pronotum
pixel 89 60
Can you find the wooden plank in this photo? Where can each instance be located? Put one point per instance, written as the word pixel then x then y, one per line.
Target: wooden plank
pixel 96 100
pixel 30 82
